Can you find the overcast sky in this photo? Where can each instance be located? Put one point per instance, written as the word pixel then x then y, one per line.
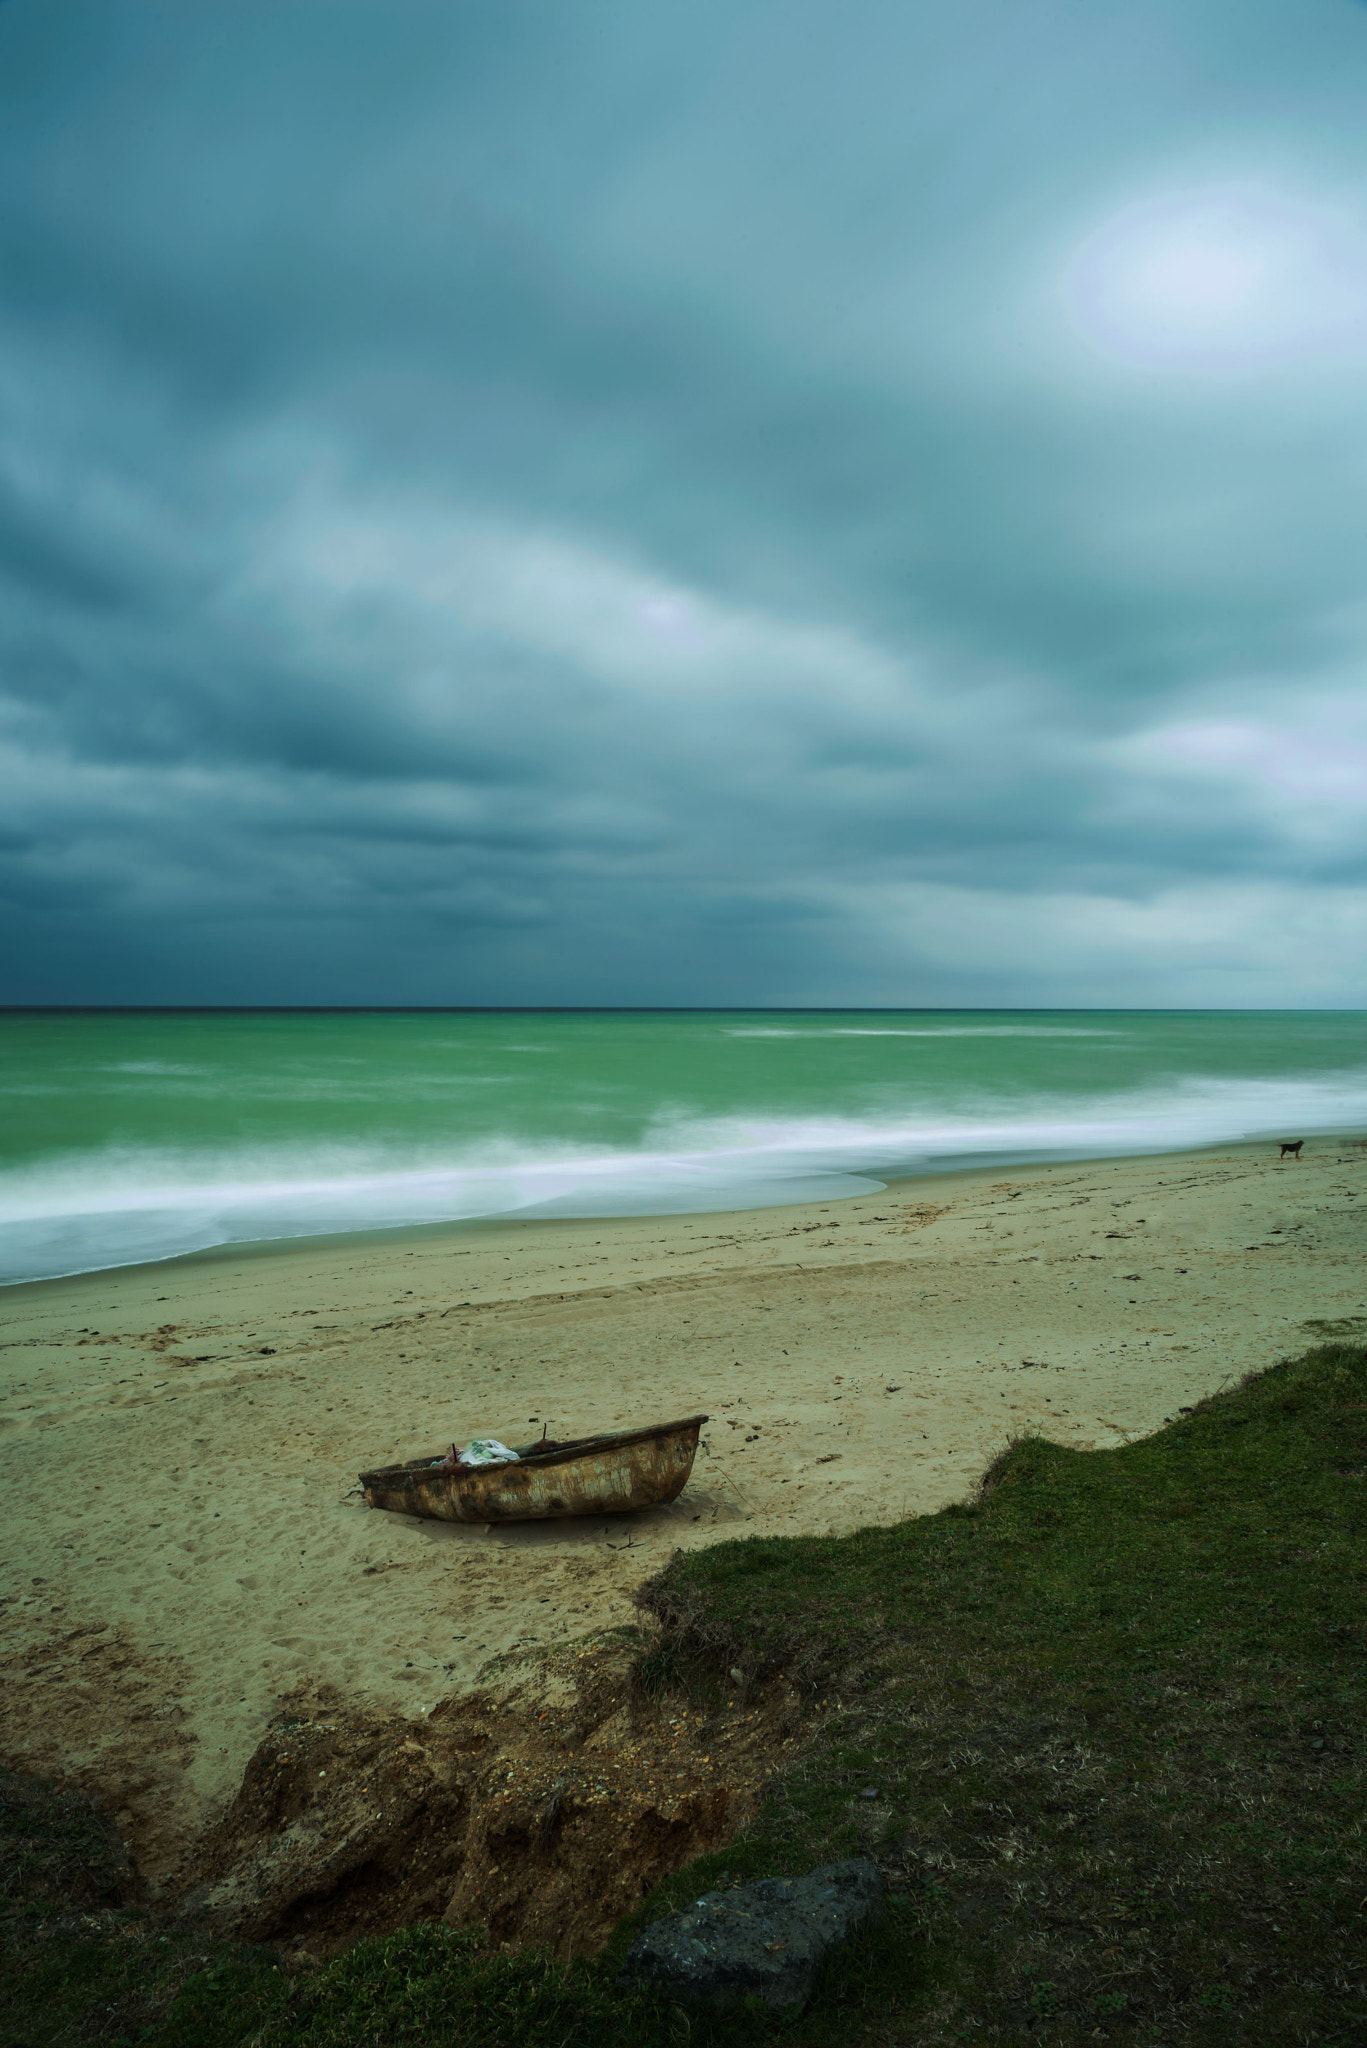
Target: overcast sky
pixel 683 501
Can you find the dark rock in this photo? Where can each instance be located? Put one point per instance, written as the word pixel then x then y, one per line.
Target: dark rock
pixel 766 1940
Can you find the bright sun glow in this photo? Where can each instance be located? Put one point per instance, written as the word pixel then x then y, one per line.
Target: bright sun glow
pixel 1222 276
pixel 1197 279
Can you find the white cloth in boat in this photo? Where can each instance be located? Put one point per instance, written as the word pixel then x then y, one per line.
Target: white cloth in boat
pixel 487 1450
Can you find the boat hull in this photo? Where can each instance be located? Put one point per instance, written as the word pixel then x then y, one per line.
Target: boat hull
pixel 603 1475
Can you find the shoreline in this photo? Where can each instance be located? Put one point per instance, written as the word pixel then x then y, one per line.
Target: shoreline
pixel 403 1235
pixel 862 1359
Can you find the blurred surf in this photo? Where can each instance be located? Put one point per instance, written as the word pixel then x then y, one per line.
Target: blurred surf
pixel 133 1137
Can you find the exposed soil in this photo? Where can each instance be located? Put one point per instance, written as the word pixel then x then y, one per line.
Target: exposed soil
pixel 545 1814
pixel 89 1712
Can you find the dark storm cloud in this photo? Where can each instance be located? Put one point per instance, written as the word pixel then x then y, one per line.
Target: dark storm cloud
pixel 593 503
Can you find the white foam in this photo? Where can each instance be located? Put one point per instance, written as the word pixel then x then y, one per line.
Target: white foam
pixel 158 1068
pixel 123 1208
pixel 921 1031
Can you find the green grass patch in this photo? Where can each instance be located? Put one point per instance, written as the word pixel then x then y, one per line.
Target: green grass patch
pixel 84 1962
pixel 1111 1717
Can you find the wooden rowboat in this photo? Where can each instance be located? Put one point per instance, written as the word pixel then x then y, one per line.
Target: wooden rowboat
pixel 591 1475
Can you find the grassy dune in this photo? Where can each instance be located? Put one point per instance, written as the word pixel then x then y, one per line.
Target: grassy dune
pixel 1102 1729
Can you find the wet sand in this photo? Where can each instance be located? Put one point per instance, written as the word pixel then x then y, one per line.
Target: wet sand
pixel 180 1443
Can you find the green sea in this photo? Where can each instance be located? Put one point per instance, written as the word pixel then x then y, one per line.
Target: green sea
pixel 136 1135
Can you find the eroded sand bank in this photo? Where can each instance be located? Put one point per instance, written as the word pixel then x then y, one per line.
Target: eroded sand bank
pixel 181 1544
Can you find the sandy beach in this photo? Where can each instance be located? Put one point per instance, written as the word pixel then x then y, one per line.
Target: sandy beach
pixel 183 1543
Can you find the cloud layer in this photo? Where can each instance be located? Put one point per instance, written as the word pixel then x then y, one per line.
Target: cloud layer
pixel 519 503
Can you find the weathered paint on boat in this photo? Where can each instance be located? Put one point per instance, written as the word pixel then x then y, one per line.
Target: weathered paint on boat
pixel 592 1475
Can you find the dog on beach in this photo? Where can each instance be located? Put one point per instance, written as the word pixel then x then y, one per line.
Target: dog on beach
pixel 1293 1146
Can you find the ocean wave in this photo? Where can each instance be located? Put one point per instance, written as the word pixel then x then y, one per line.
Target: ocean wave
pixel 135 1206
pixel 157 1068
pixel 922 1031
